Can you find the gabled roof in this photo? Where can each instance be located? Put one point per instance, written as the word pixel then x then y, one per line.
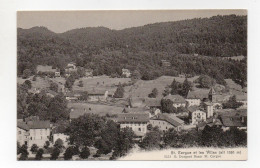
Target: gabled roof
pixel 23 125
pixel 232 121
pixel 171 120
pixel 152 102
pixel 133 117
pixel 193 108
pixel 34 125
pixel 212 91
pixel 175 98
pixel 196 95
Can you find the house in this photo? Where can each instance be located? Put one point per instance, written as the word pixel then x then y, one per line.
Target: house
pixel 209 107
pixel 126 73
pixel 193 99
pixel 217 99
pixel 178 101
pixel 242 99
pixel 136 121
pixel 165 122
pixel 33 132
pixel 97 95
pixel 197 115
pixel 89 72
pixel 47 69
pixel 71 67
pixel 154 105
pixel 233 118
pixel 213 121
pixel 59 132
pixel 165 63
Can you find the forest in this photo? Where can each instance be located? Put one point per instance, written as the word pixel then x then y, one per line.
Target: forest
pixel 193 47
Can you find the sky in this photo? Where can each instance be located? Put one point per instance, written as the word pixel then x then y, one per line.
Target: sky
pixel 61 21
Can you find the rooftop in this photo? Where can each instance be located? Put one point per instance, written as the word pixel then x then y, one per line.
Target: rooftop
pixel 45 68
pixel 175 98
pixel 34 125
pixel 170 119
pixel 152 102
pixel 133 117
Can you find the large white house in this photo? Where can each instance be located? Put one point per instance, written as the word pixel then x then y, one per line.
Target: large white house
pixel 33 132
pixel 136 121
pixel 178 101
pixel 165 122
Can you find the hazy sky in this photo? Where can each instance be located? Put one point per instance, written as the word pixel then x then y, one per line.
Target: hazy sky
pixel 61 21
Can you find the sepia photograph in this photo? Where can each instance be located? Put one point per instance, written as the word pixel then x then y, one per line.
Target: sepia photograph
pixel 96 85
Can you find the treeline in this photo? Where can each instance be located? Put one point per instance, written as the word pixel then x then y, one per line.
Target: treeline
pixel 39 104
pixel 142 48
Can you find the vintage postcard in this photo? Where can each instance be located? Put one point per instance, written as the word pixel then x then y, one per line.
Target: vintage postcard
pixel 132 85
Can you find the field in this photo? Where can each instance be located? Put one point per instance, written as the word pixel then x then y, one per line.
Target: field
pixel 100 82
pixel 143 88
pixel 39 83
pixel 100 109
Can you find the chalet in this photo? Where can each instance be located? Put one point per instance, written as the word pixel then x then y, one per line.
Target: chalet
pixel 33 132
pixel 126 73
pixel 197 115
pixel 136 121
pixel 193 99
pixel 89 72
pixel 97 95
pixel 165 122
pixel 178 101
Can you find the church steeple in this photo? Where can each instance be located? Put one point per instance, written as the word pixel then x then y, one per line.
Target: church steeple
pixel 212 94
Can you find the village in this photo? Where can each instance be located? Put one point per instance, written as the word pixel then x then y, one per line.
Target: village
pixel 130 102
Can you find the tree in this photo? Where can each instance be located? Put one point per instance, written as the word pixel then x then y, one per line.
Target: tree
pixel 166 91
pixel 172 139
pixel 206 82
pixel 81 72
pixel 84 154
pixel 27 73
pixel 59 143
pixel 46 145
pixel 27 84
pixel 57 109
pixel 151 140
pixel 55 153
pixel 124 142
pixel 54 87
pixel 119 93
pixel 108 138
pixel 39 154
pixel 18 148
pixel 80 83
pixel 84 130
pixel 24 152
pixel 149 127
pixel 167 106
pixel 34 148
pixel 69 153
pixel 136 75
pixel 84 96
pixel 154 93
pixel 211 136
pixel 174 87
pixel 186 87
pixel 232 103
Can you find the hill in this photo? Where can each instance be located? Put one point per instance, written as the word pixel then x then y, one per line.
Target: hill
pixel 142 48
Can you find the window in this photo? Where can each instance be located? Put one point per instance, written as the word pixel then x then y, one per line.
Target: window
pixel 139 129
